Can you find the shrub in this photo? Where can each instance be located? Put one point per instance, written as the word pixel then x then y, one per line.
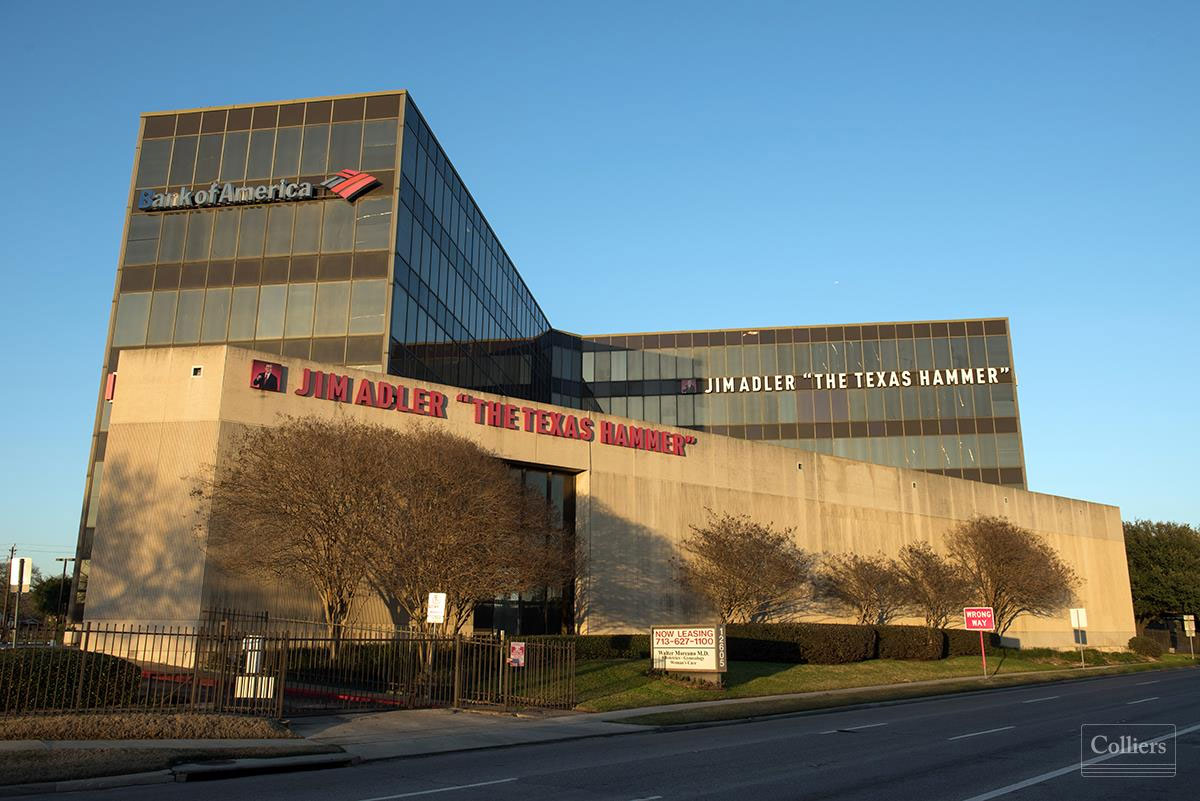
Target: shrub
pixel 601 646
pixel 909 642
pixel 960 642
pixel 1145 647
pixel 818 643
pixel 33 679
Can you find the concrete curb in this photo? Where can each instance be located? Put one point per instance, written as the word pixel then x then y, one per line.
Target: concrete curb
pixel 97 783
pixel 197 771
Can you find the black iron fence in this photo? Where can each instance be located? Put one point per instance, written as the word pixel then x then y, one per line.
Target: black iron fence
pixel 250 665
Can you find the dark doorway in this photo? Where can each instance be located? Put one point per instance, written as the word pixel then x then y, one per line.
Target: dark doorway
pixel 548 610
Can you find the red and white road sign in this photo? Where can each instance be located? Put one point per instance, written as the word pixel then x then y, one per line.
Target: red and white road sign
pixel 979 618
pixel 516 654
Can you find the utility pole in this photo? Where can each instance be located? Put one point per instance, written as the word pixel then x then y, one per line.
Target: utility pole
pixel 63 586
pixel 12 554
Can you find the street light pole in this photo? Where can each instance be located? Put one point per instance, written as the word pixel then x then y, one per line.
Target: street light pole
pixel 62 587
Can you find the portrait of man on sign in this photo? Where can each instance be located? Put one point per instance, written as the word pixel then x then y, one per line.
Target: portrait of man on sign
pixel 266 376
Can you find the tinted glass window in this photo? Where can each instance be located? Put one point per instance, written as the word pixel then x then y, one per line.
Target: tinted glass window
pixel 243 312
pixel 208 158
pixel 170 245
pixel 373 229
pixel 142 243
pixel 233 156
pixel 287 153
pixel 307 234
pixel 250 233
pixel 187 318
pixel 183 160
pixel 198 236
pixel 216 315
pixel 262 151
pixel 337 227
pixel 333 303
pixel 367 303
pixel 299 321
pixel 316 144
pixel 225 231
pixel 271 301
pixel 153 161
pixel 279 229
pixel 133 311
pixel 162 318
pixel 379 145
pixel 345 140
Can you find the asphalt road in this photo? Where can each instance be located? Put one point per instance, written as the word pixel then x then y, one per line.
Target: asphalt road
pixel 1021 743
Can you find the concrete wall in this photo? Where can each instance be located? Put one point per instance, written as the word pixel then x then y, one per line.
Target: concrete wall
pixel 633 506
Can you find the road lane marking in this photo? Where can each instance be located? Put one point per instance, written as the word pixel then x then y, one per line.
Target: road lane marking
pixel 439 790
pixel 1074 766
pixel 647 798
pixel 854 728
pixel 977 733
pixel 1142 700
pixel 1047 698
pixel 1141 683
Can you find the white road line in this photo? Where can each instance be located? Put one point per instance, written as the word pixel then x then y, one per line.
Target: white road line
pixel 977 733
pixel 854 728
pixel 1141 683
pixel 440 790
pixel 1074 766
pixel 1143 700
pixel 647 798
pixel 1047 698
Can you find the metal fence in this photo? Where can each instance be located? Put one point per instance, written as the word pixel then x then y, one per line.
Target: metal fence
pixel 249 665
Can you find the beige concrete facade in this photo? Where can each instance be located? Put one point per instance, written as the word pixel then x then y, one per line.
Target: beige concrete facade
pixel 169 427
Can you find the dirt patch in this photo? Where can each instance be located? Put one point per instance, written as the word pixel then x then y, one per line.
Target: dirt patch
pixel 140 726
pixel 27 767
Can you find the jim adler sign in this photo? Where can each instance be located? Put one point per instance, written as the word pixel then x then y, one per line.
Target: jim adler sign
pixel 878 379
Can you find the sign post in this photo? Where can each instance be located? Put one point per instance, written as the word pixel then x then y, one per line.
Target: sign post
pixel 20 572
pixel 1189 630
pixel 981 619
pixel 1078 627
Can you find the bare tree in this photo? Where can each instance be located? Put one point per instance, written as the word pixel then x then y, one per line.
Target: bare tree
pixel 464 525
pixel 347 507
pixel 934 587
pixel 750 572
pixel 1011 569
pixel 868 587
pixel 299 502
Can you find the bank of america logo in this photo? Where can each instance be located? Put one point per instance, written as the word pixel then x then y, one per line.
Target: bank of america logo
pixel 350 183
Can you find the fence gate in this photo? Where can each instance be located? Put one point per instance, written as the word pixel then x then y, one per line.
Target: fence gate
pixel 493 672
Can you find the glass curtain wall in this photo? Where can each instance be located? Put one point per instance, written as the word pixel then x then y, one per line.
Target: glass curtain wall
pixel 963 431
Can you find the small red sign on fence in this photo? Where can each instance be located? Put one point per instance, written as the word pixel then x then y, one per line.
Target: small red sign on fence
pixel 979 618
pixel 516 654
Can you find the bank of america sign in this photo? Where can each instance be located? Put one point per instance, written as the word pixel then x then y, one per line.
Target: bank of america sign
pixel 348 184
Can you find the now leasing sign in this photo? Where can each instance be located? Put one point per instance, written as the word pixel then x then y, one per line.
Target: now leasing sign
pixel 688 649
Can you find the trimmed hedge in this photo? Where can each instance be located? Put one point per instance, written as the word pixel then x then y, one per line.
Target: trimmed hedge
pixel 909 642
pixel 601 646
pixel 49 678
pixel 817 643
pixel 1146 647
pixel 960 642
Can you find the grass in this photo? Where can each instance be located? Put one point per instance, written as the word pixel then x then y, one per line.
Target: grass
pixel 24 767
pixel 608 685
pixel 140 726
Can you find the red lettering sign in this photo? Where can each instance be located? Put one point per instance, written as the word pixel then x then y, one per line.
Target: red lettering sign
pixel 377 394
pixel 979 618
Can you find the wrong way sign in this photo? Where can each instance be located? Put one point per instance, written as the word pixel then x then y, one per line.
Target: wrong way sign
pixel 979 618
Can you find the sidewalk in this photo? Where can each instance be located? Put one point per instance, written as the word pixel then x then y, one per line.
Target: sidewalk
pixel 383 735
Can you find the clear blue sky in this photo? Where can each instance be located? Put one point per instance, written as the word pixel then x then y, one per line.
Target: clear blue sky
pixel 684 165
